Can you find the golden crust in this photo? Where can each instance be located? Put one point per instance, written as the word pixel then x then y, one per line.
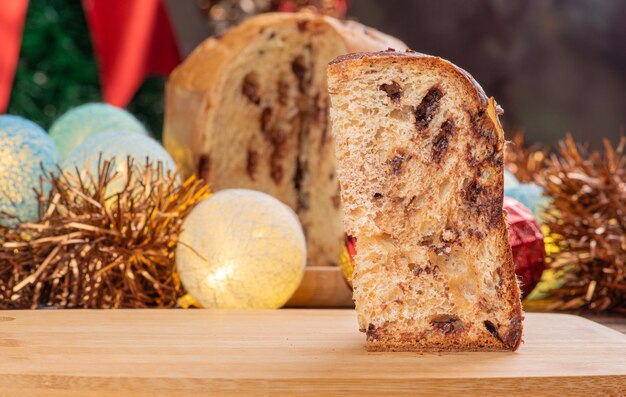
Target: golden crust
pixel 201 69
pixel 343 61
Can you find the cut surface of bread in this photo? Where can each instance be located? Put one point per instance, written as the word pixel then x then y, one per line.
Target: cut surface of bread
pixel 420 149
pixel 250 110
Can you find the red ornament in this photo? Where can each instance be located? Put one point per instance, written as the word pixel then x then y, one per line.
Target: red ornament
pixel 525 238
pixel 351 245
pixel 526 241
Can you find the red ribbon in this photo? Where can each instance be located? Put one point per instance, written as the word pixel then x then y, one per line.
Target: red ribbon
pixel 132 39
pixel 12 15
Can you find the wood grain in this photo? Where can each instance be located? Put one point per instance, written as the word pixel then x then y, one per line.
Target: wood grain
pixel 286 352
pixel 612 320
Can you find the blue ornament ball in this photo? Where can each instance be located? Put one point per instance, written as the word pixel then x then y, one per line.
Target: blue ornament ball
pixel 509 180
pixel 530 195
pixel 24 149
pixel 117 146
pixel 85 121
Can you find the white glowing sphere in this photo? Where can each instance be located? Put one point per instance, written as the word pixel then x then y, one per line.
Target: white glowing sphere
pixel 241 249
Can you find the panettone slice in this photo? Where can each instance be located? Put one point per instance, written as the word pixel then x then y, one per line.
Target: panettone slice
pixel 419 149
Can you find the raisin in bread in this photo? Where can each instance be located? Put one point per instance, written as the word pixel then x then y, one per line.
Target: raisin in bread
pixel 419 150
pixel 250 110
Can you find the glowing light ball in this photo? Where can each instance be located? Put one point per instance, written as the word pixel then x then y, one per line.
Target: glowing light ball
pixel 85 121
pixel 241 249
pixel 24 149
pixel 117 146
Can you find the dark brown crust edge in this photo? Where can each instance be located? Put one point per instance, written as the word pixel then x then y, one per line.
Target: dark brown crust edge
pixel 513 337
pixel 391 52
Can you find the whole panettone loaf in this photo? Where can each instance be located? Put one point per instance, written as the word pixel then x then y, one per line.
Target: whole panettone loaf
pixel 250 110
pixel 419 150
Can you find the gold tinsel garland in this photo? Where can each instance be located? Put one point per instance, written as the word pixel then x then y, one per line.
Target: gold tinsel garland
pixel 584 224
pixel 526 163
pixel 587 222
pixel 95 249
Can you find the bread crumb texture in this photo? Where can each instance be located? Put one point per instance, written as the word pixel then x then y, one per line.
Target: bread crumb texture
pixel 420 164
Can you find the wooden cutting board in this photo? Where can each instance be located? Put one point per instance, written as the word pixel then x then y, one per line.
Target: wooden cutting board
pixel 288 352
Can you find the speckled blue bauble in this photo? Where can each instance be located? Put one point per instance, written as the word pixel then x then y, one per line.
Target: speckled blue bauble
pixel 85 121
pixel 24 149
pixel 117 146
pixel 530 195
pixel 509 180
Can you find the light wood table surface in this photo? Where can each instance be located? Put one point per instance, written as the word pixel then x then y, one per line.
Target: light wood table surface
pixel 149 353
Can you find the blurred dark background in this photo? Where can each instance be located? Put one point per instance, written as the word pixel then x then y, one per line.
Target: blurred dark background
pixel 555 66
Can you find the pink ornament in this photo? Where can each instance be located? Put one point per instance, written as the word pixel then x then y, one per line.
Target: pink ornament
pixel 527 244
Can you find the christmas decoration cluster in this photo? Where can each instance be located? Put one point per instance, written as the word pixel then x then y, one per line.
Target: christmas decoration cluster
pixel 104 227
pixel 95 215
pixel 585 221
pixel 101 231
pixel 93 250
